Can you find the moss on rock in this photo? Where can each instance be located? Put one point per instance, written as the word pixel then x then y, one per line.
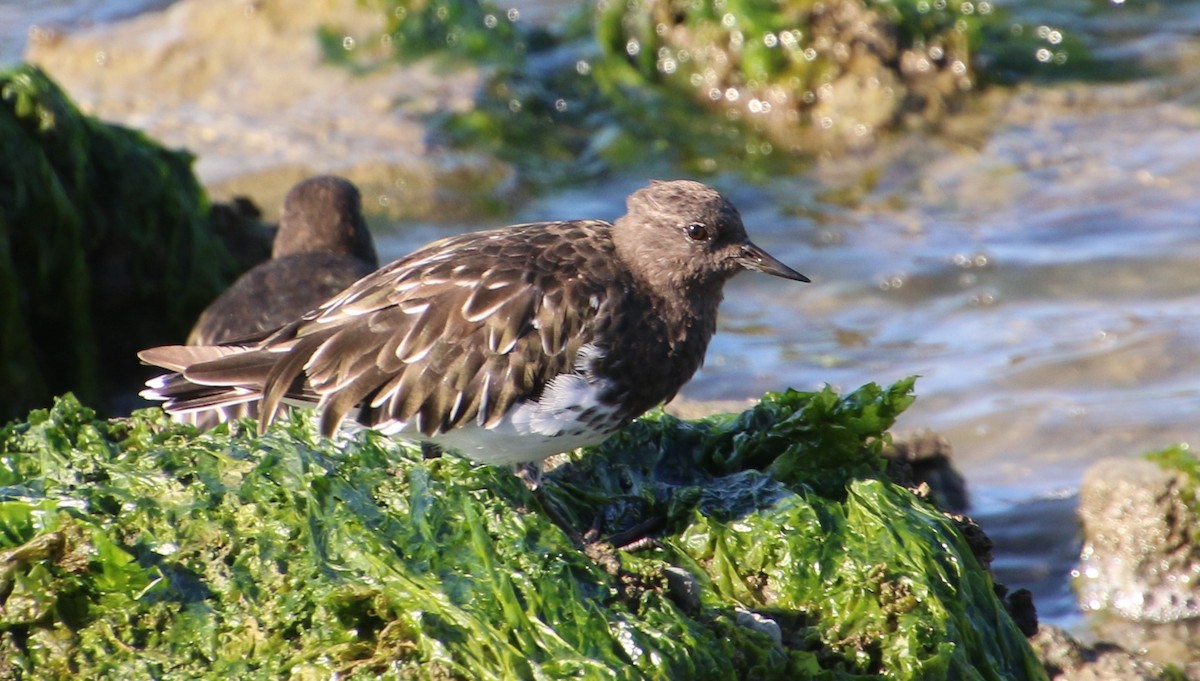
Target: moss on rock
pixel 815 76
pixel 757 85
pixel 103 246
pixel 140 548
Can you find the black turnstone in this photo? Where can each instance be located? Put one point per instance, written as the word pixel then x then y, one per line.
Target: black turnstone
pixel 508 345
pixel 322 246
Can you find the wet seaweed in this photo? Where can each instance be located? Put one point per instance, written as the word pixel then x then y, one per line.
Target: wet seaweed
pixel 98 225
pixel 141 548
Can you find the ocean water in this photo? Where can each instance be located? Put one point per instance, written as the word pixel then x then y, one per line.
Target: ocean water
pixel 19 17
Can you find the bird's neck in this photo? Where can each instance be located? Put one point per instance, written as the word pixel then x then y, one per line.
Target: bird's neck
pixel 690 318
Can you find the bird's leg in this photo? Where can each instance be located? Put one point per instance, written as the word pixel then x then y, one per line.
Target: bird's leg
pixel 430 450
pixel 531 475
pixel 637 537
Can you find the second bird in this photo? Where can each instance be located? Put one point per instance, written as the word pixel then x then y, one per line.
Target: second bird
pixel 322 246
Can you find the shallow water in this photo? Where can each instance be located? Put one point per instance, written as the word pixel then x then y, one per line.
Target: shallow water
pixel 19 17
pixel 1044 282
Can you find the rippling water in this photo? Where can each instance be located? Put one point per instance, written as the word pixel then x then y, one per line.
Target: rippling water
pixel 1044 282
pixel 18 16
pixel 1045 286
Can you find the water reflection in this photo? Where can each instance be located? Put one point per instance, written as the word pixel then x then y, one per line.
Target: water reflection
pixel 21 20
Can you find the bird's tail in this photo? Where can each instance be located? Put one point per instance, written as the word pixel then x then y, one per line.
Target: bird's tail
pixel 208 384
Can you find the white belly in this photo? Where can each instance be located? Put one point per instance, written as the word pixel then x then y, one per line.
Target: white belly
pixel 503 445
pixel 569 415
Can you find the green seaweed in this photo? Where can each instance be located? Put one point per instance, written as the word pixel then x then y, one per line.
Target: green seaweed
pixel 723 84
pixel 104 247
pixel 139 548
pixel 473 30
pixel 1180 459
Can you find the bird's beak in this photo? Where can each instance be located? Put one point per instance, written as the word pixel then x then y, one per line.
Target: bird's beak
pixel 755 258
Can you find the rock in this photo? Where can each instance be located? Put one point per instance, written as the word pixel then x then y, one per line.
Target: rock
pixel 760 623
pixel 1138 558
pixel 929 459
pixel 107 249
pixel 1020 607
pixel 245 86
pixel 683 588
pixel 1171 643
pixel 1066 659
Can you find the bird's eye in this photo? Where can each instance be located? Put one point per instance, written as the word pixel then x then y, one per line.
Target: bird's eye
pixel 698 232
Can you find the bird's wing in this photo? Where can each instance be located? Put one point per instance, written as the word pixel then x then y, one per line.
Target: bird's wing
pixel 455 332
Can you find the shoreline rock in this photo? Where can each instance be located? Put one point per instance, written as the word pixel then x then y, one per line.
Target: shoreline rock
pixel 1067 659
pixel 1139 568
pixel 805 559
pixel 1139 558
pixel 167 73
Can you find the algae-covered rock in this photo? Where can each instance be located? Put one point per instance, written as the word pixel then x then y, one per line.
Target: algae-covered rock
pixel 746 84
pixel 139 548
pixel 103 246
pixel 815 76
pixel 1141 521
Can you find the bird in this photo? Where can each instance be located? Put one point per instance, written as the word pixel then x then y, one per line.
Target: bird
pixel 507 346
pixel 321 247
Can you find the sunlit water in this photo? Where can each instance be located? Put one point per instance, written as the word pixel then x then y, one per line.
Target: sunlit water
pixel 17 17
pixel 1044 283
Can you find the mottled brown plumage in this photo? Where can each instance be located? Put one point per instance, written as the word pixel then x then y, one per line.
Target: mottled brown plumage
pixel 548 335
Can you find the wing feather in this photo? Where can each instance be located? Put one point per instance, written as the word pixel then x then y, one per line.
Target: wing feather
pixel 286 378
pixel 179 357
pixel 335 405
